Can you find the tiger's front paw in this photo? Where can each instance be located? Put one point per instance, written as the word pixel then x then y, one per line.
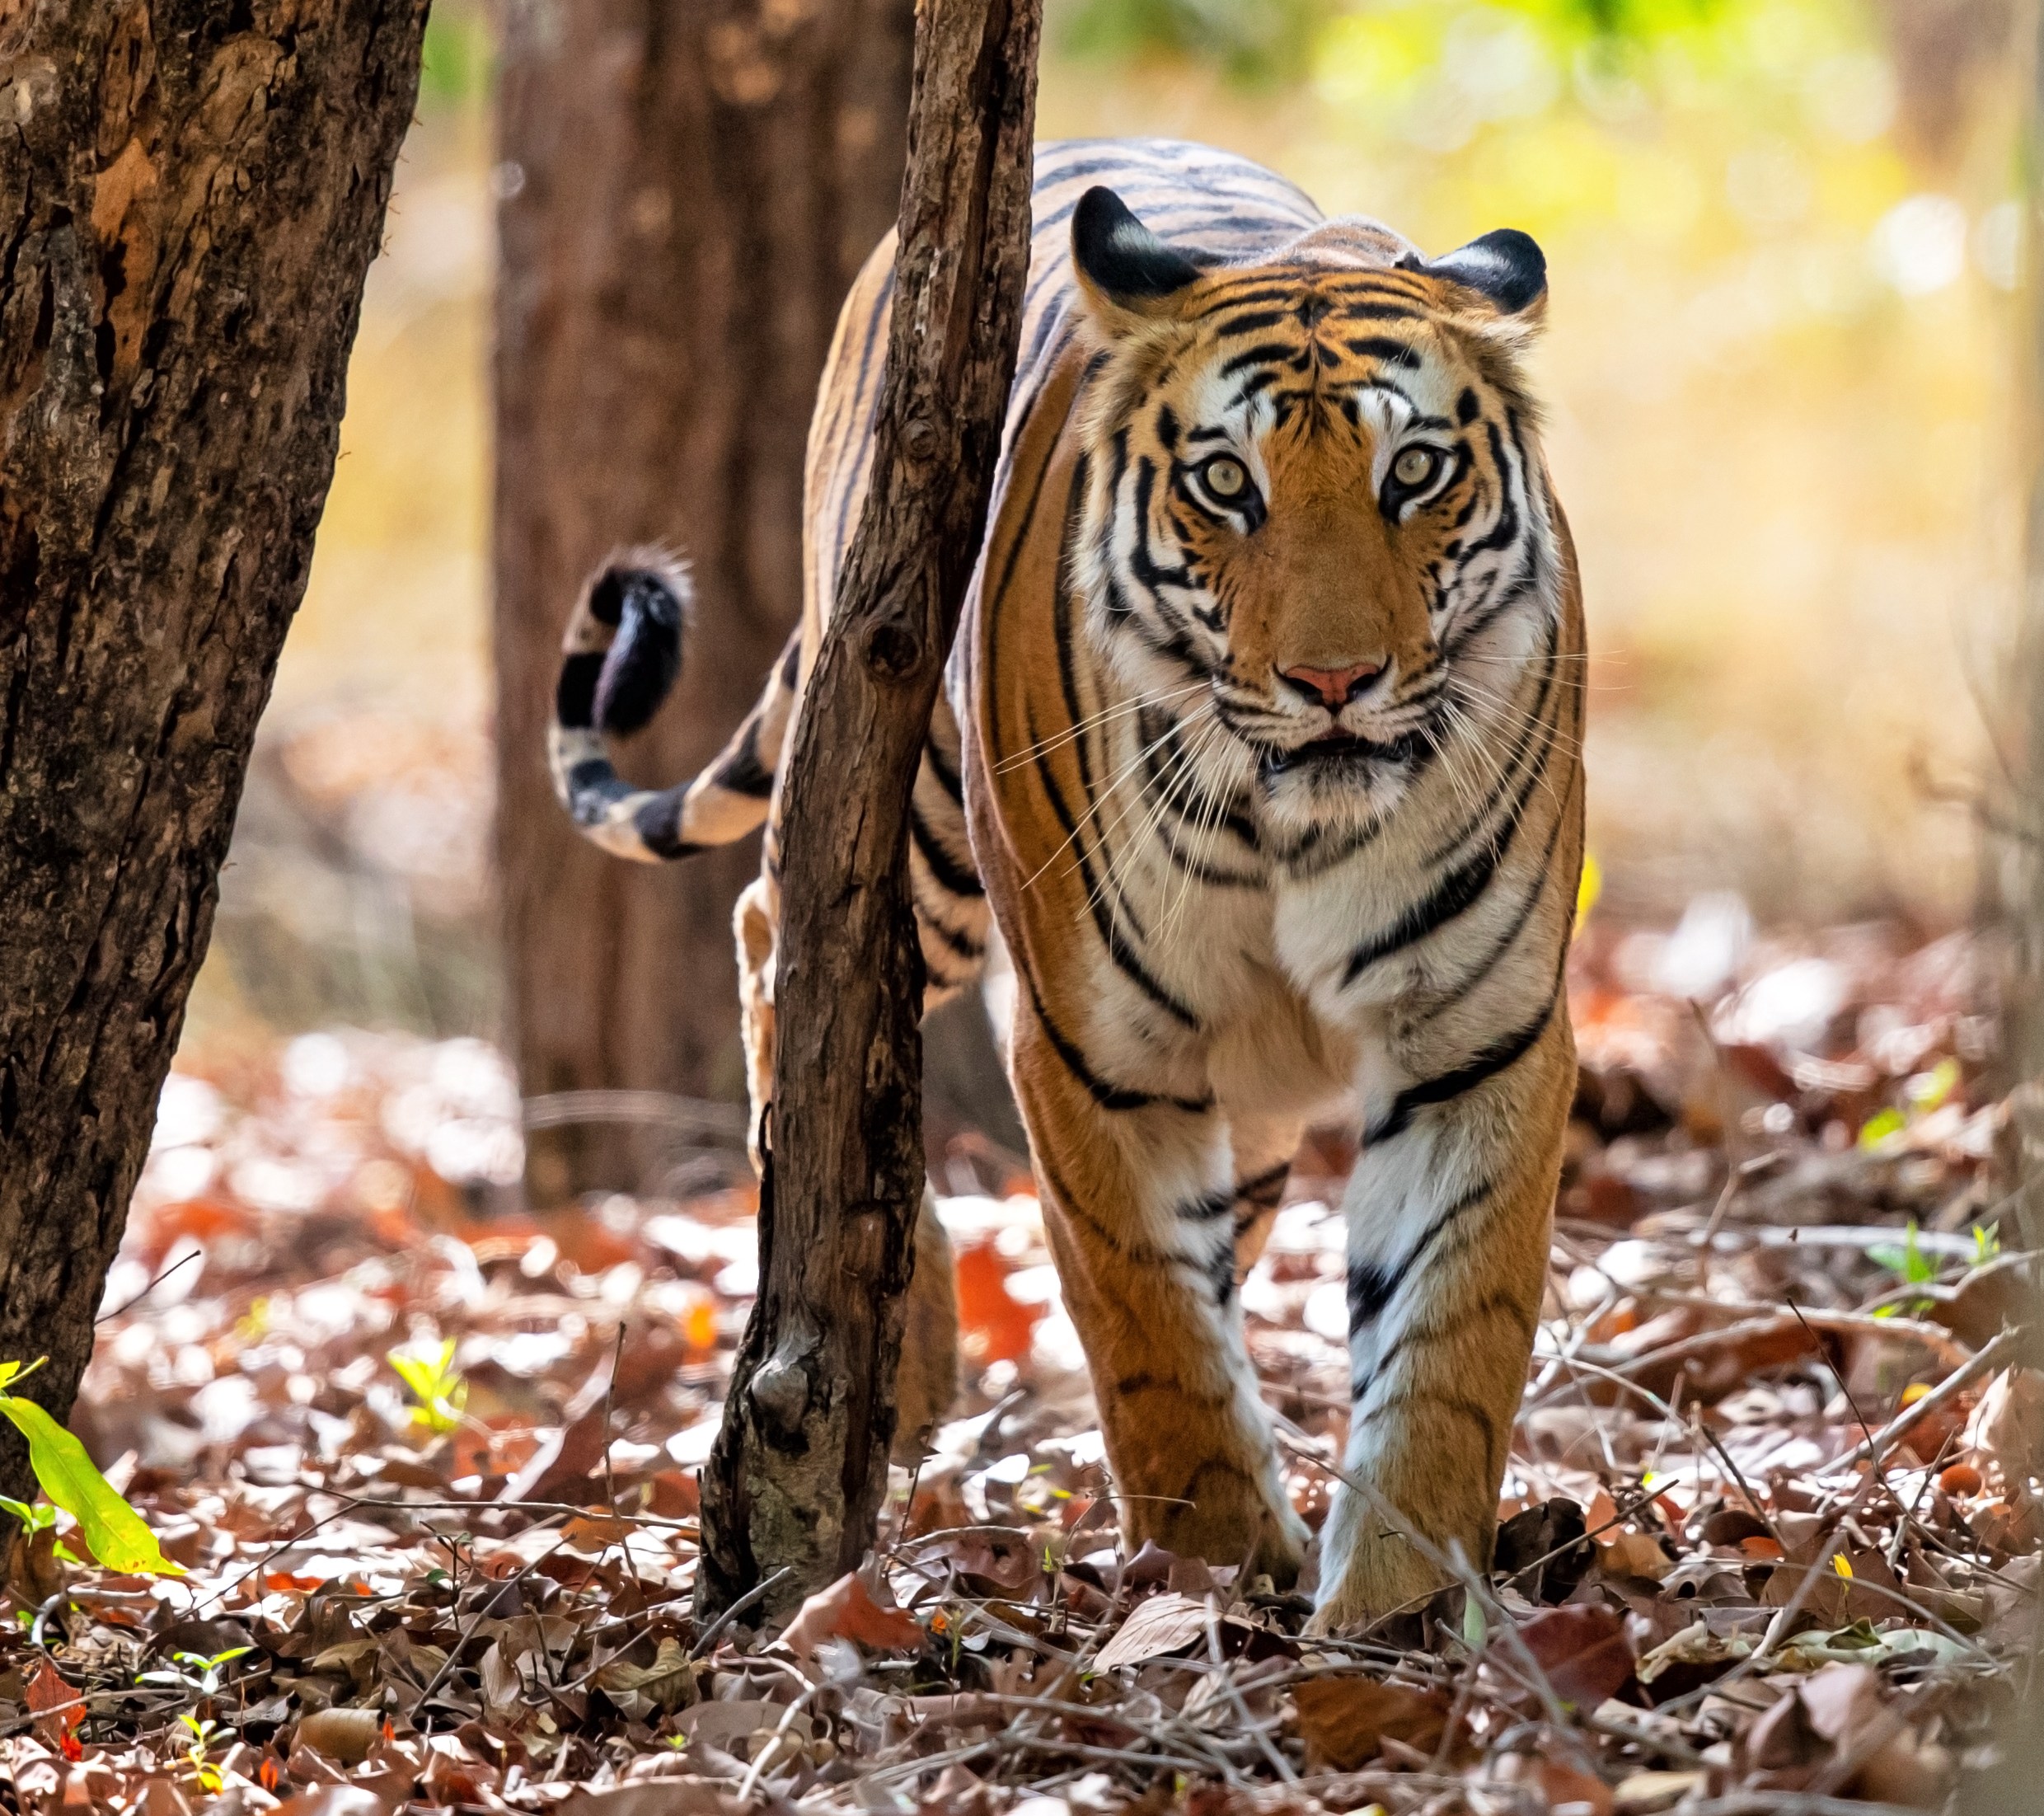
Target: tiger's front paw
pixel 1247 1527
pixel 1369 1570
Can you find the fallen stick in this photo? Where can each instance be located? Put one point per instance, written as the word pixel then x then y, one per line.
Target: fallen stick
pixel 1884 1440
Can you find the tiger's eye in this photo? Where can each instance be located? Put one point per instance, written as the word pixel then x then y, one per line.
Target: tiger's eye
pixel 1415 467
pixel 1225 477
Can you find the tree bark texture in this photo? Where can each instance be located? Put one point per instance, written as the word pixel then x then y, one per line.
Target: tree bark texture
pixel 800 1464
pixel 189 198
pixel 690 186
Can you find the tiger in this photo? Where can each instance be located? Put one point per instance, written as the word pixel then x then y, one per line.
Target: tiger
pixel 1260 746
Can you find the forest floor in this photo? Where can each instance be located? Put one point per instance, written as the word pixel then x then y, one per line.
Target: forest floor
pixel 1769 1540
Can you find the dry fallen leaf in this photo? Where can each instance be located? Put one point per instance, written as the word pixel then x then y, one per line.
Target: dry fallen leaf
pixel 1583 1649
pixel 1564 1789
pixel 1345 1720
pixel 848 1611
pixel 2007 1430
pixel 1633 1554
pixel 1163 1624
pixel 687 1796
pixel 666 1684
pixel 58 1708
pixel 345 1734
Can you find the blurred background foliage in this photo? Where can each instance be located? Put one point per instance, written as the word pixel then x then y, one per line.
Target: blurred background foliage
pixel 1785 244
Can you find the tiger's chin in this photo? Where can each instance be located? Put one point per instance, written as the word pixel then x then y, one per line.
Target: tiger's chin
pixel 1338 783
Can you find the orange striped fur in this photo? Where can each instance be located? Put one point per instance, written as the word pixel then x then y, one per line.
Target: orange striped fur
pixel 1262 745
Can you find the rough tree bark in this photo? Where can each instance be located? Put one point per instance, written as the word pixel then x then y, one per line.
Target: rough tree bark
pixel 189 199
pixel 796 1478
pixel 689 187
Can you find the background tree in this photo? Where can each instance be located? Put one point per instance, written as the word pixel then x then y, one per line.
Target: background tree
pixel 688 187
pixel 189 203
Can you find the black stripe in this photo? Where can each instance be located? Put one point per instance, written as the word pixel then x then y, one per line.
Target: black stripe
pixel 1372 1286
pixel 1510 937
pixel 944 867
pixel 740 770
pixel 1382 347
pixel 1494 1059
pixel 659 824
pixel 1449 897
pixel 1107 1096
pixel 939 763
pixel 1534 722
pixel 1107 916
pixel 593 785
pixel 1207 1207
pixel 574 694
pixel 1262 354
pixel 963 945
pixel 1267 1187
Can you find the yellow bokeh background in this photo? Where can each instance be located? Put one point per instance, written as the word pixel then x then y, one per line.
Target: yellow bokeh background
pixel 1780 369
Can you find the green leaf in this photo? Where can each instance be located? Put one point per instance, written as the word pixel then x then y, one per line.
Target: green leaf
pixel 34 1518
pixel 115 1532
pixel 1917 1267
pixel 1878 1127
pixel 1475 1629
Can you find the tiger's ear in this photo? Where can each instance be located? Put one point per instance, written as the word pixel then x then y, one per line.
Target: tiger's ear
pixel 1129 275
pixel 1506 266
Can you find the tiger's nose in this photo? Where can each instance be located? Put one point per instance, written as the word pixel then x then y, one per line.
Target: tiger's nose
pixel 1333 688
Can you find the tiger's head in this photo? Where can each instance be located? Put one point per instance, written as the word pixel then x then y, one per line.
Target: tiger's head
pixel 1315 513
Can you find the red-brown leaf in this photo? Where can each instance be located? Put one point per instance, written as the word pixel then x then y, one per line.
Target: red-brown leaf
pixel 846 1611
pixel 1345 1720
pixel 1583 1649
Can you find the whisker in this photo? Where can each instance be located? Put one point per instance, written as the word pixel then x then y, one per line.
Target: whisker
pixel 1101 800
pixel 1114 711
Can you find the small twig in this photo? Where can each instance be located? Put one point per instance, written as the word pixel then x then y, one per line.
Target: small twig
pixel 183 1260
pixel 762 1753
pixel 1738 1475
pixel 1882 1441
pixel 688 1528
pixel 1279 1764
pixel 42 1616
pixel 738 1607
pixel 610 1388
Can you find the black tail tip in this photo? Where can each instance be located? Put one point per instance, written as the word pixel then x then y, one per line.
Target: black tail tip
pixel 646 604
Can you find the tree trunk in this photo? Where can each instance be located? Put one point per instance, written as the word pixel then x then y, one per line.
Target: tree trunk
pixel 188 207
pixel 800 1463
pixel 689 187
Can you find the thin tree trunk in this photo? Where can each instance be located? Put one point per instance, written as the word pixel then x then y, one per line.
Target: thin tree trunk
pixel 188 207
pixel 689 187
pixel 800 1464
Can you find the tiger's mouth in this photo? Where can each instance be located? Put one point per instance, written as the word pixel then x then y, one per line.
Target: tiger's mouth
pixel 1336 754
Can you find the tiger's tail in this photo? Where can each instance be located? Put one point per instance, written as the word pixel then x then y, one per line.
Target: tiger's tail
pixel 620 658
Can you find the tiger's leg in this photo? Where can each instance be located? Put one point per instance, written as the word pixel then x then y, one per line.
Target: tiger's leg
pixel 1263 1147
pixel 1138 1200
pixel 1449 1209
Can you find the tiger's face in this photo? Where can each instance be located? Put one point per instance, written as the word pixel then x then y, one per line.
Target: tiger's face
pixel 1313 500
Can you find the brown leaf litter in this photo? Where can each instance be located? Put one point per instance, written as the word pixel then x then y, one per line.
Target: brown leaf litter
pixel 1769 1540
